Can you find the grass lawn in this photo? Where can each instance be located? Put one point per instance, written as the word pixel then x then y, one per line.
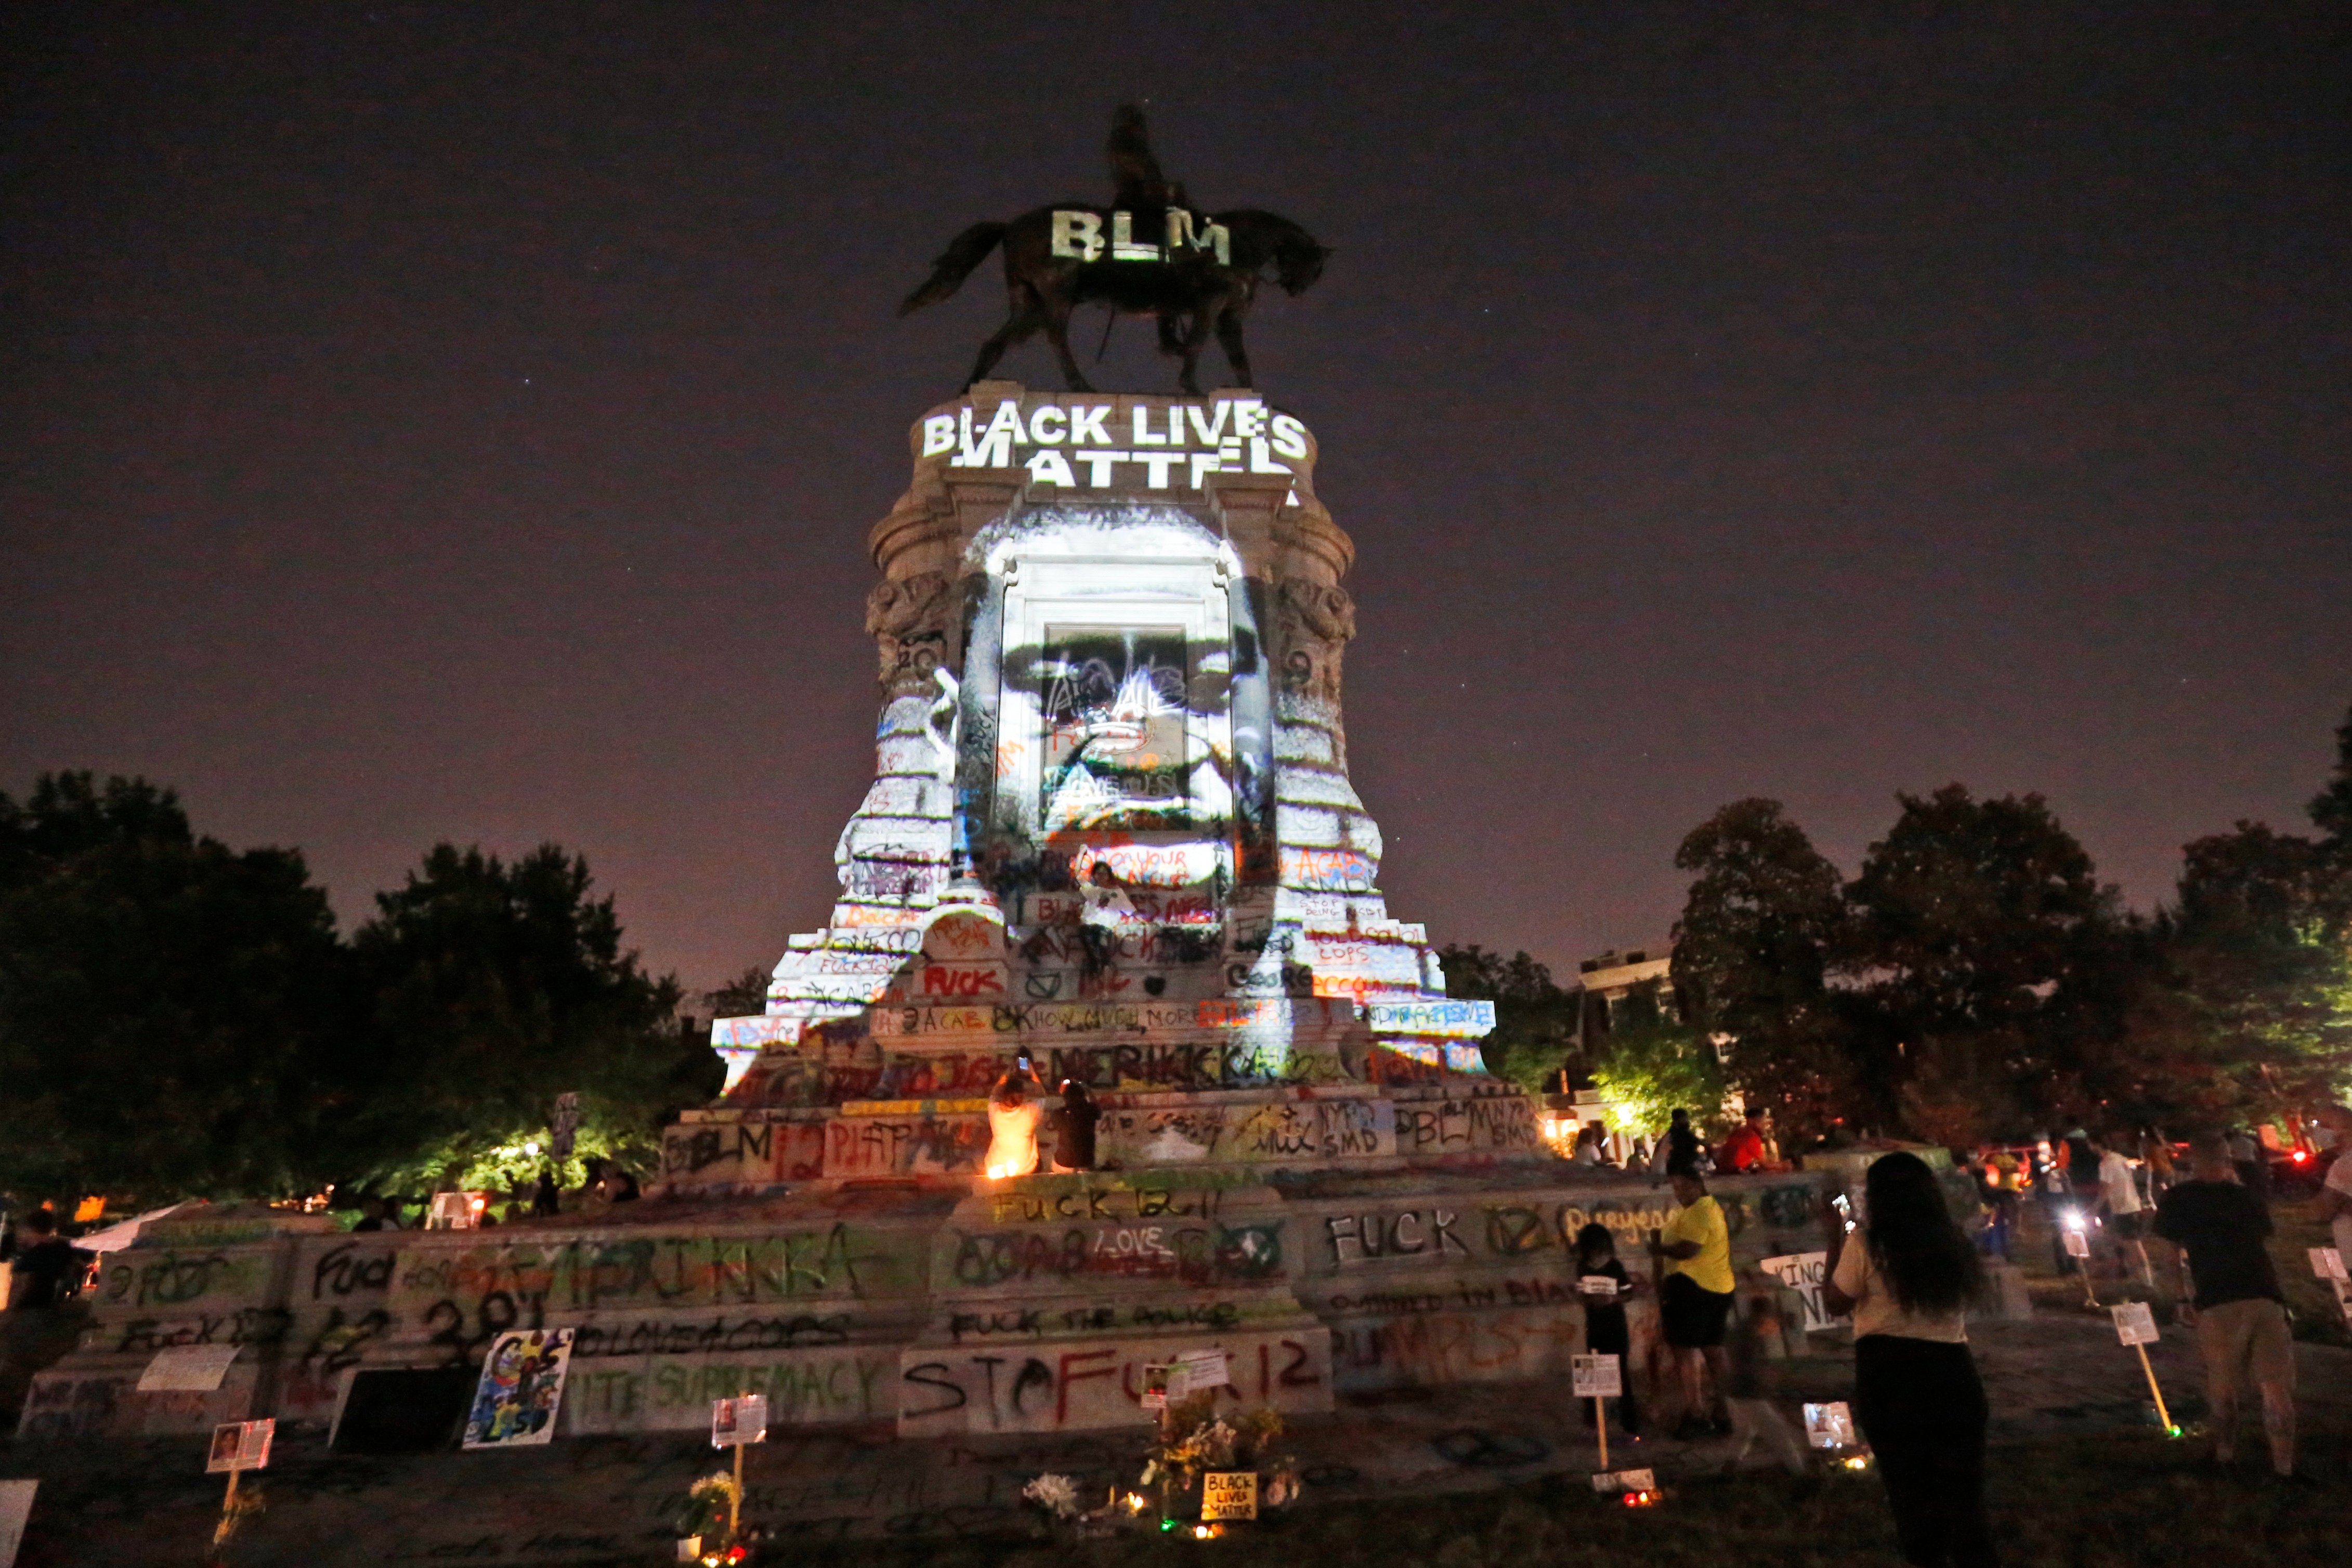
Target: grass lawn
pixel 2131 1502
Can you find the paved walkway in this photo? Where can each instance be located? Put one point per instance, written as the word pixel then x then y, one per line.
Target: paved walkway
pixel 611 1501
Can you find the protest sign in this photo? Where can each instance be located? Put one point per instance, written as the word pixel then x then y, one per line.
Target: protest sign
pixel 2327 1263
pixel 521 1388
pixel 1599 1287
pixel 15 1507
pixel 1830 1426
pixel 2078 1244
pixel 240 1446
pixel 1626 1481
pixel 187 1369
pixel 1228 1494
pixel 2135 1323
pixel 735 1422
pixel 1805 1273
pixel 1193 1372
pixel 1597 1376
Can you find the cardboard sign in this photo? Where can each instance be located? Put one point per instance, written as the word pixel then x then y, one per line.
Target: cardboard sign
pixel 1626 1481
pixel 735 1422
pixel 1597 1376
pixel 1805 1273
pixel 2327 1263
pixel 1228 1494
pixel 1830 1426
pixel 521 1388
pixel 1600 1286
pixel 2078 1244
pixel 2135 1323
pixel 241 1445
pixel 15 1507
pixel 187 1369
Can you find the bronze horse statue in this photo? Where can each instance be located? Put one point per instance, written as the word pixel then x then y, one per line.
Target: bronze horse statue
pixel 1201 279
pixel 1191 290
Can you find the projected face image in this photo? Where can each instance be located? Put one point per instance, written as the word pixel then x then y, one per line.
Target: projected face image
pixel 1116 750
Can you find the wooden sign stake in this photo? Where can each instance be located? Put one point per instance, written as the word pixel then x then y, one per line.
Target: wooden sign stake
pixel 1601 1422
pixel 2161 1413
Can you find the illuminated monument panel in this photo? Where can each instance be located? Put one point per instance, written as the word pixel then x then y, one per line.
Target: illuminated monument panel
pixel 1111 827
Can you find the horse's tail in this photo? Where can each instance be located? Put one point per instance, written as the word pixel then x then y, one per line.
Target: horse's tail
pixel 963 253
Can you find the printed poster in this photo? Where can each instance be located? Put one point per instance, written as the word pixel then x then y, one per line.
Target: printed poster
pixel 1830 1426
pixel 522 1384
pixel 735 1422
pixel 2135 1323
pixel 241 1445
pixel 1597 1376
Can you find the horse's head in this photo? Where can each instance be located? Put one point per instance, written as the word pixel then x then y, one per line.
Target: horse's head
pixel 1297 265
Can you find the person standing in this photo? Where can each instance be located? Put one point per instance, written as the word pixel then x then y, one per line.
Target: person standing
pixel 1074 1140
pixel 1743 1149
pixel 47 1268
pixel 1907 1277
pixel 1606 1331
pixel 1695 1299
pixel 2119 1196
pixel 2335 1203
pixel 2218 1229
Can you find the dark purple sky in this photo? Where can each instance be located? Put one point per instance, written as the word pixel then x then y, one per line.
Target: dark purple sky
pixel 423 422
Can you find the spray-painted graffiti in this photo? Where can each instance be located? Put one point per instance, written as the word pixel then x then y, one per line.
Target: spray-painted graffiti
pixel 1191 1253
pixel 1501 1124
pixel 660 1392
pixel 180 1279
pixel 985 1389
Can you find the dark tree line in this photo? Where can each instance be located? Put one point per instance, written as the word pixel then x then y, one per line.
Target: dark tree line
pixel 1975 979
pixel 181 1019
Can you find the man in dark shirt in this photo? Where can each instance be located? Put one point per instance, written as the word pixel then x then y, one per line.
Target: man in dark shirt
pixel 46 1265
pixel 2217 1229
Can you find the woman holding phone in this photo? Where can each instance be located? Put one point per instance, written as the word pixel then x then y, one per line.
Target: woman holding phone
pixel 1907 1275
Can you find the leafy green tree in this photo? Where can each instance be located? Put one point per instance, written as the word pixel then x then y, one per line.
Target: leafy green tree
pixel 2331 808
pixel 172 1017
pixel 1985 952
pixel 1535 1020
pixel 1653 1065
pixel 491 988
pixel 1765 913
pixel 740 997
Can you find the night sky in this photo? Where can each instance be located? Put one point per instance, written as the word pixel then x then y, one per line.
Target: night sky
pixel 464 422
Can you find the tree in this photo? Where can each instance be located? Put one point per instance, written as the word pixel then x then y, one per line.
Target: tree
pixel 172 1014
pixel 1653 1066
pixel 1535 1020
pixel 1752 950
pixel 2331 808
pixel 1985 948
pixel 490 990
pixel 742 998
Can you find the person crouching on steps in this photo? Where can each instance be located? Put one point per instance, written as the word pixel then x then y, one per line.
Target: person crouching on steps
pixel 1907 1277
pixel 1605 1331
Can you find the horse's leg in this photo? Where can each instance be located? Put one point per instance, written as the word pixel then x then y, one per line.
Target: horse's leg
pixel 1055 309
pixel 1196 338
pixel 1229 335
pixel 1020 325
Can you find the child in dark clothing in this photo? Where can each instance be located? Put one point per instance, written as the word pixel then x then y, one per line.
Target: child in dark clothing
pixel 1605 1333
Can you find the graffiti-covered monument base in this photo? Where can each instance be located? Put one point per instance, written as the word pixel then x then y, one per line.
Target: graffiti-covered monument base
pixel 1029 1306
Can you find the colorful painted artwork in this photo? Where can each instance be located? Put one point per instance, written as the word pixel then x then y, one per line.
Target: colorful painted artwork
pixel 522 1387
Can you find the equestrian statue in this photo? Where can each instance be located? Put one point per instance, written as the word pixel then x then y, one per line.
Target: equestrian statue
pixel 1148 254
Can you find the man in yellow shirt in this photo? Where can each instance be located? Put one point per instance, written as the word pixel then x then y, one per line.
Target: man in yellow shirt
pixel 1695 1299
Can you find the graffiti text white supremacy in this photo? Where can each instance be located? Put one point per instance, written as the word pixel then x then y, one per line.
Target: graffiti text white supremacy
pixel 1179 444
